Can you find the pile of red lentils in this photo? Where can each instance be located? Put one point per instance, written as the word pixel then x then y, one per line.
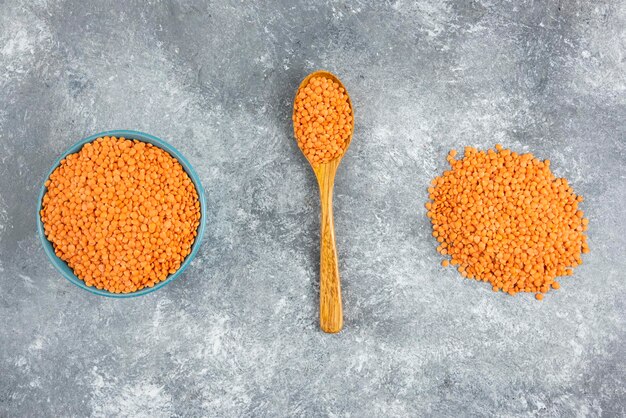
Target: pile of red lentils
pixel 504 218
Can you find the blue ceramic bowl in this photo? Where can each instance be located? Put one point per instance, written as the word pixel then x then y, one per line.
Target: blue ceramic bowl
pixel 62 266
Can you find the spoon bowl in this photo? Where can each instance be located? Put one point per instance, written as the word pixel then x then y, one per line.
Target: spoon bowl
pixel 331 309
pixel 335 79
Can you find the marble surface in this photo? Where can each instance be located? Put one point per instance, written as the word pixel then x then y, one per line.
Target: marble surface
pixel 237 334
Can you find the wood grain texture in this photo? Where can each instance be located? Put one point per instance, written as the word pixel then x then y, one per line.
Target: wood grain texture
pixel 331 307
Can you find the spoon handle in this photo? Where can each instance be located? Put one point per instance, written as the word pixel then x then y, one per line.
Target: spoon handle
pixel 331 311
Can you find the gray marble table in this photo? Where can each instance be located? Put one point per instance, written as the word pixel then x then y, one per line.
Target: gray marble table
pixel 237 334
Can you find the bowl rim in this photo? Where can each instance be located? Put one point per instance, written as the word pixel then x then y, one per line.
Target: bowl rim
pixel 67 272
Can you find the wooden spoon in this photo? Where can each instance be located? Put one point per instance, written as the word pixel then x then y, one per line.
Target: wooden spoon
pixel 331 311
